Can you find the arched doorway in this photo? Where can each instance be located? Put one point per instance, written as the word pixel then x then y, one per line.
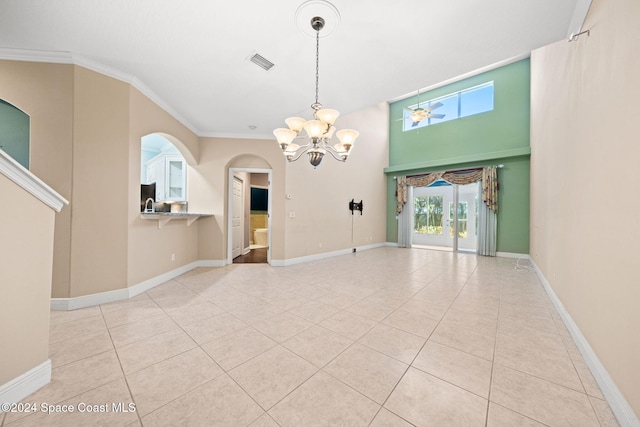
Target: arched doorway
pixel 249 218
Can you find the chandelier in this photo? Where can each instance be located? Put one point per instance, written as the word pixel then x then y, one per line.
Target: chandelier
pixel 319 130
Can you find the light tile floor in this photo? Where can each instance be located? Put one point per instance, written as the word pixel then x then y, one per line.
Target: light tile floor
pixel 385 337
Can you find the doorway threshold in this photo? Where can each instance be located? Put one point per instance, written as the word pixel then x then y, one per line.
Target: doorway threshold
pixel 434 248
pixel 444 249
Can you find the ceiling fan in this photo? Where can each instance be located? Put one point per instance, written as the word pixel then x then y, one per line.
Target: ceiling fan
pixel 419 114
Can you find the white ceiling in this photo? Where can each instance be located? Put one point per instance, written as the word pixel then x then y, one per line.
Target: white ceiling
pixel 191 55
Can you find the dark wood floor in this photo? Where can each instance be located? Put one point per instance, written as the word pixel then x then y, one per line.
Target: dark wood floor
pixel 255 256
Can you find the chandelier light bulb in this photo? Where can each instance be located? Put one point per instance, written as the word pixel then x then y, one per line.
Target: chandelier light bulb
pixel 347 137
pixel 328 134
pixel 315 128
pixel 327 115
pixel 284 136
pixel 295 123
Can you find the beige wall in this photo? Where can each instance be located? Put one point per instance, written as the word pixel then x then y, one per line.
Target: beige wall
pixel 320 197
pixel 45 93
pixel 99 198
pixel 85 143
pixel 86 131
pixel 209 182
pixel 150 248
pixel 26 259
pixel 584 180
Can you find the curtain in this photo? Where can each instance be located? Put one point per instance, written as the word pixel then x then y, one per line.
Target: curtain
pixel 487 227
pixel 489 178
pixel 405 223
pixel 490 187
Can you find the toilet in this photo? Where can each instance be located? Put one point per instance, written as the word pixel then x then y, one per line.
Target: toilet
pixel 261 237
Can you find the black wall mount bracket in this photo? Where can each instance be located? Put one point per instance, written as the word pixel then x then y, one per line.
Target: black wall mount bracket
pixel 355 206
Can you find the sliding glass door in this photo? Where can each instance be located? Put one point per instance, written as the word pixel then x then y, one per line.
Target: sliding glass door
pixel 445 215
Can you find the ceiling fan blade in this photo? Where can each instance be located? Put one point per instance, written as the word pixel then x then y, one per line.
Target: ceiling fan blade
pixel 436 116
pixel 408 110
pixel 414 124
pixel 433 106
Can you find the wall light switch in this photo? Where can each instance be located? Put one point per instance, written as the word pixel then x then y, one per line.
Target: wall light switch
pixel 292 214
pixel 289 196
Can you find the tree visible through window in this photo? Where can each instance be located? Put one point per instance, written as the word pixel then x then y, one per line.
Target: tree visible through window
pixel 428 215
pixel 463 211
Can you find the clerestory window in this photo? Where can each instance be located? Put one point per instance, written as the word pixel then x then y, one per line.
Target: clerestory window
pixel 467 102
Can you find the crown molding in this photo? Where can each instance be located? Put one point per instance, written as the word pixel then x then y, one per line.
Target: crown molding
pixel 260 136
pixel 90 64
pixel 464 76
pixel 54 57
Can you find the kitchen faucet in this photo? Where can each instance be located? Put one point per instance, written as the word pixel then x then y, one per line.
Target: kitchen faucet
pixel 148 209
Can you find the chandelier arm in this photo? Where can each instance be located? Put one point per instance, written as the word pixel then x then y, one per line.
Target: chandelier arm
pixel 305 146
pixel 335 154
pixel 299 152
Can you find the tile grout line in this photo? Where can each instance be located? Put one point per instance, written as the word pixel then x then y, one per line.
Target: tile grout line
pixel 493 360
pixel 410 365
pixel 517 370
pixel 377 289
pixel 124 376
pixel 225 372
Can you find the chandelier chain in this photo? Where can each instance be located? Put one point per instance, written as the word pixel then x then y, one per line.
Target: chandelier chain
pixel 317 62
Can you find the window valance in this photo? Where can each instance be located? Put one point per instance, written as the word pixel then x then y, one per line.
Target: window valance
pixel 488 176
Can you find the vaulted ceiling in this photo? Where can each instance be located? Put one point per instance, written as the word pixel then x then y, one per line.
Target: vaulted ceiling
pixel 191 55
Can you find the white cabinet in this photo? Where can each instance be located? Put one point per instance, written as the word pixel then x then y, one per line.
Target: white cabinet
pixel 169 172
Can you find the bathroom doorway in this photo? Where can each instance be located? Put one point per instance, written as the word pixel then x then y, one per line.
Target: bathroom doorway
pixel 249 234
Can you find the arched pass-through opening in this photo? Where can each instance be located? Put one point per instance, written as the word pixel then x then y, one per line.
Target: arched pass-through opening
pixel 163 173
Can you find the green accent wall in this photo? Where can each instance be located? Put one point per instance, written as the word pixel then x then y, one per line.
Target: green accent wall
pixel 14 133
pixel 496 137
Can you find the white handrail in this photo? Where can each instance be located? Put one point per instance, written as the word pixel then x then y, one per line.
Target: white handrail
pixel 31 183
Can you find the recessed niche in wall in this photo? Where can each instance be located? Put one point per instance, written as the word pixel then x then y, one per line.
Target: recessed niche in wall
pixel 14 133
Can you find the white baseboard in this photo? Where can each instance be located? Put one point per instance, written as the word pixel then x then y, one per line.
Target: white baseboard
pixel 29 382
pixel 512 255
pixel 212 263
pixel 65 304
pixel 619 405
pixel 323 255
pixel 499 254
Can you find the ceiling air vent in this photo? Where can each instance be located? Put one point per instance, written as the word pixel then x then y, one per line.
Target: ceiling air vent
pixel 261 61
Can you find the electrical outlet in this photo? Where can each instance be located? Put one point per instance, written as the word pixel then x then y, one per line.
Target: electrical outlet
pixel 173 257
